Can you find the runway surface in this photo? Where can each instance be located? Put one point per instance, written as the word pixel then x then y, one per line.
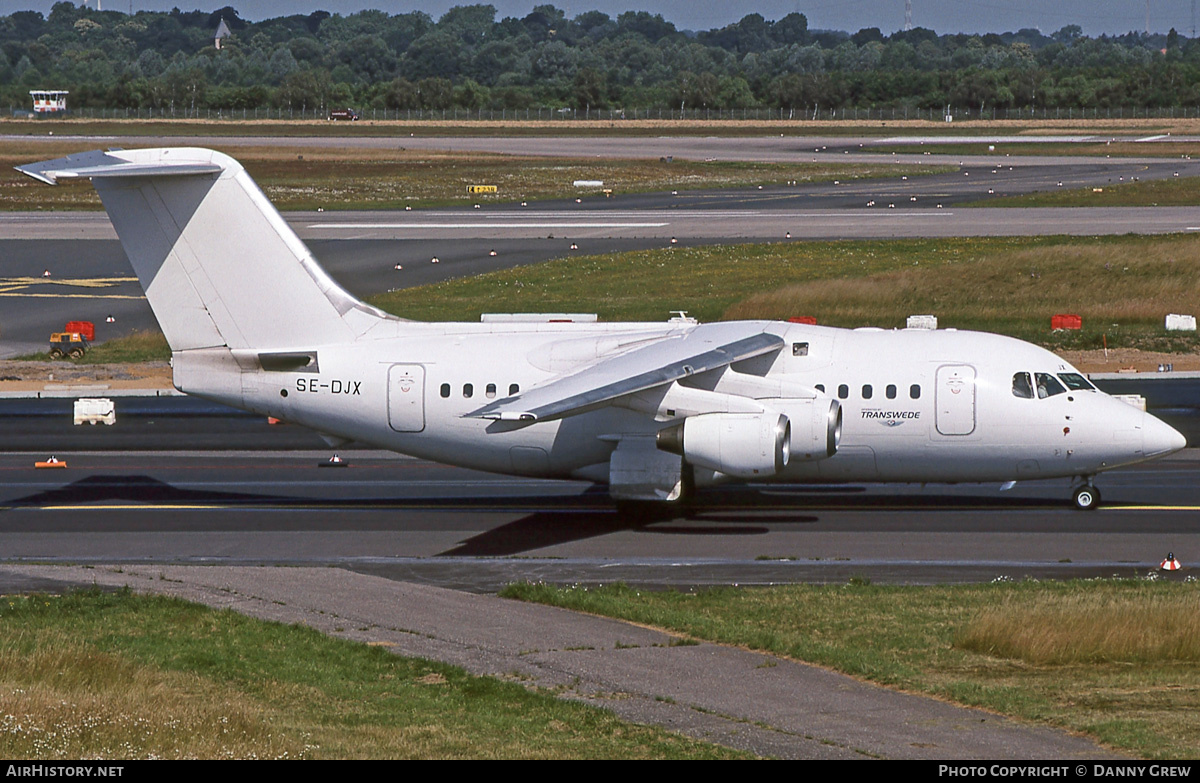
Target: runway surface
pixel 413 520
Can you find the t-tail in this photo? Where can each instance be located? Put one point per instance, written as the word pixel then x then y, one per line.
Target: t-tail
pixel 219 265
pixel 235 291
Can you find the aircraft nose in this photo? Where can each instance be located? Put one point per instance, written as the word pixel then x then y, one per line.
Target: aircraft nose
pixel 1160 438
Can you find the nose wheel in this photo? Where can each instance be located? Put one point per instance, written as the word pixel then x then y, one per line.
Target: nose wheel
pixel 1086 497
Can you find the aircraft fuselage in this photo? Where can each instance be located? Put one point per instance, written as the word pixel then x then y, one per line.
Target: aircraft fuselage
pixel 917 405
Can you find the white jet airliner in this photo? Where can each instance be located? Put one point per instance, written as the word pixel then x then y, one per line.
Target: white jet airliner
pixel 651 409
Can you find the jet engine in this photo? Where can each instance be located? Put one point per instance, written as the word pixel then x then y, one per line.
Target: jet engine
pixel 746 445
pixel 816 426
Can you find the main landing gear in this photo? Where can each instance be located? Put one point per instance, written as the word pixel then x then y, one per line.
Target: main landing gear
pixel 1086 497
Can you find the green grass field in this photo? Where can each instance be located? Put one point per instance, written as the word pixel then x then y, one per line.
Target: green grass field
pixel 118 676
pixel 1123 287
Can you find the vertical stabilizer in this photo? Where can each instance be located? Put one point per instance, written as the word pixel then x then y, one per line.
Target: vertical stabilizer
pixel 219 265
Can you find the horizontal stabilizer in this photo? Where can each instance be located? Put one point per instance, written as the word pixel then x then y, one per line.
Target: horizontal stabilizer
pixel 660 363
pixel 102 164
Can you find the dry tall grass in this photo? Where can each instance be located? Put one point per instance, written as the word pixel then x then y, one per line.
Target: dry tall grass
pixel 66 699
pixel 1088 628
pixel 1112 282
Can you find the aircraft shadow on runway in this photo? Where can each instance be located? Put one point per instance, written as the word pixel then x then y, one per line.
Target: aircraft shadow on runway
pixel 547 520
pixel 725 511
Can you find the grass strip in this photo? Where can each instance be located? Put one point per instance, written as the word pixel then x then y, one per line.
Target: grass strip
pixel 141 346
pixel 1123 286
pixel 308 178
pixel 95 675
pixel 1174 192
pixel 234 124
pixel 1115 659
pixel 1003 152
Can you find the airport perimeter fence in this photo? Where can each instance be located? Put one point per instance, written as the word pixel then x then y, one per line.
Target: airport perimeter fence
pixel 811 114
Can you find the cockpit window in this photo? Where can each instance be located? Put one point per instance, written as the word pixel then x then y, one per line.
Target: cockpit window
pixel 1022 387
pixel 1048 385
pixel 1076 382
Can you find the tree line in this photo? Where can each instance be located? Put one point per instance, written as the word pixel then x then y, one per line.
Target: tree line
pixel 469 59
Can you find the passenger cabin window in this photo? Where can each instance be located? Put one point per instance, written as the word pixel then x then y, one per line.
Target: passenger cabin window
pixel 445 390
pixel 1048 385
pixel 799 349
pixel 1022 387
pixel 867 391
pixel 468 390
pixel 490 391
pixel 843 391
pixel 890 391
pixel 513 389
pixel 914 391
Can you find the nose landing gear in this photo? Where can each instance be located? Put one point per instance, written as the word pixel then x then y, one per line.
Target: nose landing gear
pixel 1086 497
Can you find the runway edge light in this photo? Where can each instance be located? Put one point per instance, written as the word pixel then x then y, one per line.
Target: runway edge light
pixel 1170 564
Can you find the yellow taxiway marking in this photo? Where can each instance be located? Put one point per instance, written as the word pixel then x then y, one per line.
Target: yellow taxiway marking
pixel 157 507
pixel 81 282
pixel 1150 508
pixel 20 287
pixel 208 507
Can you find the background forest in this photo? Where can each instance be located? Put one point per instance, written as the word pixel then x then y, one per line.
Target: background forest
pixel 469 59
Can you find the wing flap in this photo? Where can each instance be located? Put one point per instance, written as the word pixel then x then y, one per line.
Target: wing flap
pixel 645 368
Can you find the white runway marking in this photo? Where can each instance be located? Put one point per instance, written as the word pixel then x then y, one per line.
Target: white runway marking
pixel 514 224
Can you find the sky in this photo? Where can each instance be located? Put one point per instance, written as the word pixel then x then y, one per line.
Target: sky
pixel 1113 17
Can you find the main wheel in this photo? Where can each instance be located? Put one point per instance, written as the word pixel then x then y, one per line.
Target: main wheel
pixel 56 353
pixel 1086 497
pixel 76 353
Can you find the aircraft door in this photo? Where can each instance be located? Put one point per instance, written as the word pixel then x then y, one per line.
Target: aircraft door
pixel 406 397
pixel 955 399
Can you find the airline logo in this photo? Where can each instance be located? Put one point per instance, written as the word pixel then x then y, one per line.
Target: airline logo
pixel 890 418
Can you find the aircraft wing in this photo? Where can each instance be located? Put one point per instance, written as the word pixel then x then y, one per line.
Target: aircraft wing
pixel 674 357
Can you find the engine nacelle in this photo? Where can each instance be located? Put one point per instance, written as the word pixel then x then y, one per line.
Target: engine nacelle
pixel 816 426
pixel 746 445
